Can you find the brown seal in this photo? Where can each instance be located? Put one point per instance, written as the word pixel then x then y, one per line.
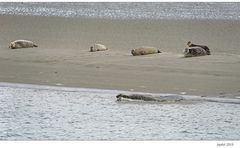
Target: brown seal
pixel 145 51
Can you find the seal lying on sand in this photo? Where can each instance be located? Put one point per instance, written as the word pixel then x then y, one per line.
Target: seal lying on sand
pixel 145 51
pixel 22 44
pixel 202 46
pixel 149 98
pixel 194 51
pixel 98 47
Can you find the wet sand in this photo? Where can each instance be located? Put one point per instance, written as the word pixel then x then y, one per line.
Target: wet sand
pixel 63 56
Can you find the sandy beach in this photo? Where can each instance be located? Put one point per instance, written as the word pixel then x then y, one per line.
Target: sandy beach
pixel 63 56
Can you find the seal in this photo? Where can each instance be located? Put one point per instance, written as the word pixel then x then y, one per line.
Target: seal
pixel 194 51
pixel 22 44
pixel 98 47
pixel 174 99
pixel 190 44
pixel 135 97
pixel 144 51
pixel 149 98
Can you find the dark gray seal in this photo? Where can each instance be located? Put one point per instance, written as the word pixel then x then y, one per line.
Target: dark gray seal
pixel 175 99
pixel 194 51
pixel 135 97
pixel 149 98
pixel 190 44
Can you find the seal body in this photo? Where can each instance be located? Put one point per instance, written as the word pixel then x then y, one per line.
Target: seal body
pixel 144 51
pixel 202 46
pixel 135 97
pixel 22 44
pixel 98 47
pixel 194 51
pixel 166 99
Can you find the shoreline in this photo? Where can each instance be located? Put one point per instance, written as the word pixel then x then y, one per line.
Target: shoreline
pixel 62 56
pixel 226 98
pixel 126 19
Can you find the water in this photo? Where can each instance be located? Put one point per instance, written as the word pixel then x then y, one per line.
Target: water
pixel 32 112
pixel 154 10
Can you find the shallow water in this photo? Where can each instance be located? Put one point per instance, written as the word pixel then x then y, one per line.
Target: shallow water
pixel 128 10
pixel 32 112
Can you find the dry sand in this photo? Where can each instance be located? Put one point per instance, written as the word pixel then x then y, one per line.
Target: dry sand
pixel 63 56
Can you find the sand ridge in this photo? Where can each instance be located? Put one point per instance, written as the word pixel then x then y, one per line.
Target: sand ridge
pixel 63 55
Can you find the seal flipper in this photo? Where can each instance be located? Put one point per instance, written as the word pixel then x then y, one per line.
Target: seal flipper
pixel 34 45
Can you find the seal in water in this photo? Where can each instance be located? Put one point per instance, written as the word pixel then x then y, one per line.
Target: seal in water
pixel 190 44
pixel 22 44
pixel 194 51
pixel 98 47
pixel 148 98
pixel 144 51
pixel 175 99
pixel 135 97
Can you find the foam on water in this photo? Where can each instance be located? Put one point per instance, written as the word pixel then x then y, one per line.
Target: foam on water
pixel 37 112
pixel 133 10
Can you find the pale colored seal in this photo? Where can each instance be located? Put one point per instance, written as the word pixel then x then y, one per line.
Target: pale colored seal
pixel 190 44
pixel 145 51
pixel 98 47
pixel 194 51
pixel 22 44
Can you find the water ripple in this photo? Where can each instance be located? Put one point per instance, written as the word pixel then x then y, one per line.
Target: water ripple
pixel 130 10
pixel 31 112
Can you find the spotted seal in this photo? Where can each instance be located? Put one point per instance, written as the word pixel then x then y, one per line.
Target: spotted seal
pixel 194 51
pixel 190 44
pixel 22 44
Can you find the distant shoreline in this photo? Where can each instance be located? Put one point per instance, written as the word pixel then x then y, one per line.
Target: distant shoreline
pixel 126 10
pixel 130 19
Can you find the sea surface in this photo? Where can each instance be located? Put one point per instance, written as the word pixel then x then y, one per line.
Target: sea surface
pixel 37 112
pixel 126 10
